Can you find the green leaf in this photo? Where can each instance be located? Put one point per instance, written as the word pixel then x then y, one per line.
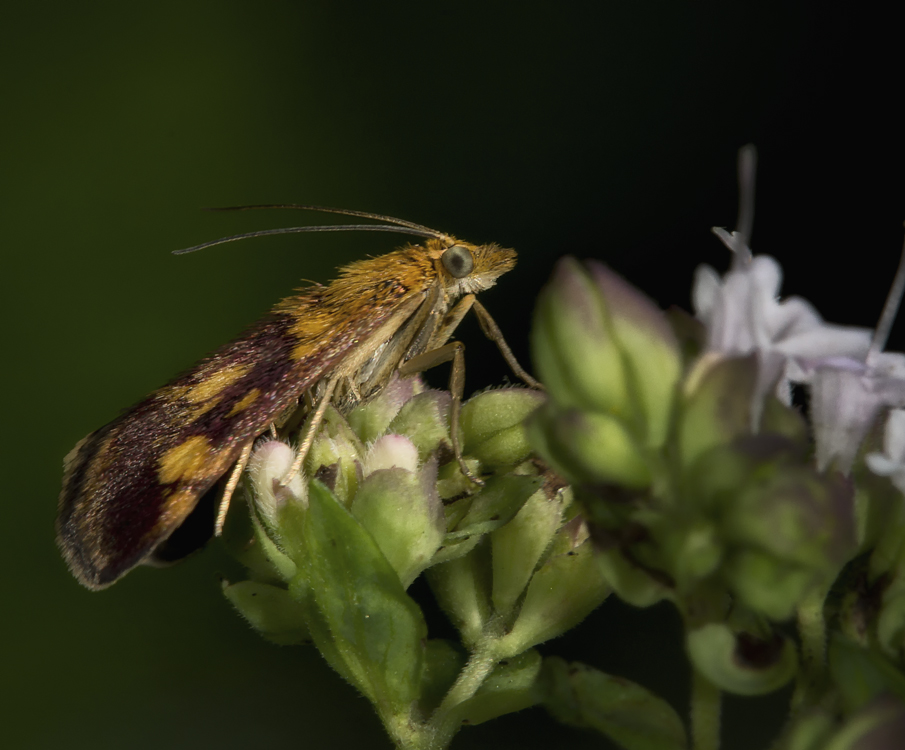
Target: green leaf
pixel 270 610
pixel 376 629
pixel 627 713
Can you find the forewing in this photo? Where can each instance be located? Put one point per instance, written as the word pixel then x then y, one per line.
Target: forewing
pixel 128 485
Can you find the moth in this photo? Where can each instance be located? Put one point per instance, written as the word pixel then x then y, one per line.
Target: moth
pixel 130 488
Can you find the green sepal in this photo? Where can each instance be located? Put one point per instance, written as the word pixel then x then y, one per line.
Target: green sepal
pixel 499 500
pixel 630 715
pixel 741 663
pixel 563 591
pixel 510 687
pixel 462 588
pixel 518 546
pixel 376 628
pixel 861 675
pixel 493 425
pixel 403 514
pixel 715 404
pixel 270 610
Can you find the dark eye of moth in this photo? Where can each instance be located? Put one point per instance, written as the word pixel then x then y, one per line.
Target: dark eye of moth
pixel 458 261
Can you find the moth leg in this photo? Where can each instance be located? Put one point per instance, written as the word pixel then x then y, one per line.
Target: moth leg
pixel 492 331
pixel 316 418
pixel 231 485
pixel 452 320
pixel 453 352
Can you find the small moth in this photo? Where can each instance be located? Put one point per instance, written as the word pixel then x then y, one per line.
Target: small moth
pixel 129 486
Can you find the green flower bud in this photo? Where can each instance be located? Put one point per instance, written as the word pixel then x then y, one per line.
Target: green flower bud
pixel 769 586
pixel 716 403
pixel 270 610
pixel 694 550
pixel 630 582
pixel 650 348
pixel 372 418
pixel 424 419
pixel 799 515
pixel 518 546
pixel 493 425
pixel 401 508
pixel 563 591
pixel 588 447
pixel 335 457
pixel 741 663
pixel 574 349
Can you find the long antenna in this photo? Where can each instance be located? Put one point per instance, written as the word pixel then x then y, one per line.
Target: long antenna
pixel 327 210
pixel 414 230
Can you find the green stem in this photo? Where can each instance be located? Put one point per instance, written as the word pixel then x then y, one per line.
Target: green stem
pixel 705 713
pixel 445 722
pixel 812 632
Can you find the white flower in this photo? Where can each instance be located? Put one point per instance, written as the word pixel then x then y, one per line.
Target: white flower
pixel 847 395
pixel 891 463
pixel 742 314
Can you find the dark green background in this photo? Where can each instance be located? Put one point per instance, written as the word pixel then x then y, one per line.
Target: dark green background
pixel 605 130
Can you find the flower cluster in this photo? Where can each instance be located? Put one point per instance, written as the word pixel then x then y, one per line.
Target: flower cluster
pixel 701 484
pixel 665 461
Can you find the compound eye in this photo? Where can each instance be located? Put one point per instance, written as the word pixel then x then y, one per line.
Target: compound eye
pixel 458 261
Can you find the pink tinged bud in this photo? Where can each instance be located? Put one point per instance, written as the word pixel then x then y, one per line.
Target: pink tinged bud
pixel 268 466
pixel 650 347
pixel 391 451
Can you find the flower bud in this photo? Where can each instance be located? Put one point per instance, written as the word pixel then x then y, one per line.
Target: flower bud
pixel 424 419
pixel 401 509
pixel 741 663
pixel 335 457
pixel 493 425
pixel 650 348
pixel 371 419
pixel 563 591
pixel 518 546
pixel 574 349
pixel 587 447
pixel 716 403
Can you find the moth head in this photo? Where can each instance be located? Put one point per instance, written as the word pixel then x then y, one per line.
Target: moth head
pixel 468 269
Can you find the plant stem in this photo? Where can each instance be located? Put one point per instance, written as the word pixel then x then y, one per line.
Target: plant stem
pixel 705 713
pixel 812 631
pixel 445 722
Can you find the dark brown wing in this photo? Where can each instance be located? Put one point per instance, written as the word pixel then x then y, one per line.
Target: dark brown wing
pixel 128 485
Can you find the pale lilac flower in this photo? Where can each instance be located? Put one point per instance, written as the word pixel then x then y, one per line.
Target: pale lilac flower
pixel 742 314
pixel 891 463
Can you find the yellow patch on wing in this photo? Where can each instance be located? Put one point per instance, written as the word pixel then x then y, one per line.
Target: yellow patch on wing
pixel 184 460
pixel 247 400
pixel 216 382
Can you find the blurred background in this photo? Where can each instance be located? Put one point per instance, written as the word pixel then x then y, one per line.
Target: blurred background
pixel 604 130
